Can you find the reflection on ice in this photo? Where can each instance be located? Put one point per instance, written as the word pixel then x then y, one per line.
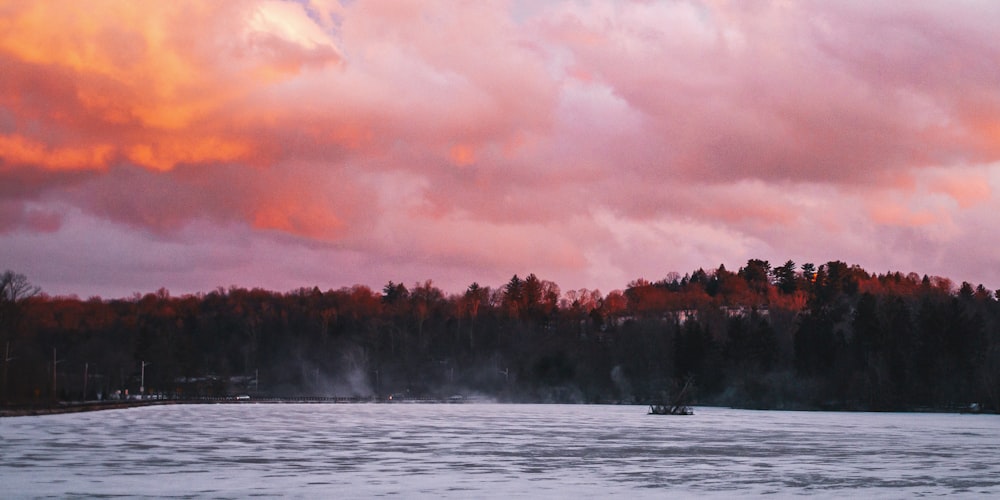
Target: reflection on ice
pixel 483 450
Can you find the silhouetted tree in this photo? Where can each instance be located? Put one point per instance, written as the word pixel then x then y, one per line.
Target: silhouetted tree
pixel 785 278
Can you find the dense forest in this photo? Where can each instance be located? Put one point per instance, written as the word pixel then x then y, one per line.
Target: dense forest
pixel 832 336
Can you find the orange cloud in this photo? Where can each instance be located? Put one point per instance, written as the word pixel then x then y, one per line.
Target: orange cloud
pixel 129 44
pixel 462 155
pixel 167 152
pixel 158 84
pixel 298 219
pixel 18 150
pixel 966 191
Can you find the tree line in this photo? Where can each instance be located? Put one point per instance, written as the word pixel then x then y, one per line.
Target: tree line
pixel 832 336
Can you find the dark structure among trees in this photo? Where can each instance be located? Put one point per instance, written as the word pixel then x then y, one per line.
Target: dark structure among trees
pixel 829 336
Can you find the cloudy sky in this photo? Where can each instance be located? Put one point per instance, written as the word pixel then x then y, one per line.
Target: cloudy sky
pixel 193 144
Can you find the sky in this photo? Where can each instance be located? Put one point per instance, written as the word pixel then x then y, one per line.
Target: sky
pixel 190 145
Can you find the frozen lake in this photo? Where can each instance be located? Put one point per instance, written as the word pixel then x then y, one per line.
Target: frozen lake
pixel 494 451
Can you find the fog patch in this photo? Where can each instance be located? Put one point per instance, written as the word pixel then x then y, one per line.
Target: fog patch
pixel 622 384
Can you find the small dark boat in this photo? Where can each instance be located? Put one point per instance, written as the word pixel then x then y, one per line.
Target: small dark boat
pixel 670 410
pixel 679 406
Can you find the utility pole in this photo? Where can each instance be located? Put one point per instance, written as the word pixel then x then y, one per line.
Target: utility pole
pixel 55 362
pixel 86 367
pixel 142 379
pixel 6 361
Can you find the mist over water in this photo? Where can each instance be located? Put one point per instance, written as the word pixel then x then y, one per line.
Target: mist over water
pixel 494 451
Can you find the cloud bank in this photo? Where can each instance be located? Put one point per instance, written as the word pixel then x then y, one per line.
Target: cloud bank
pixel 282 144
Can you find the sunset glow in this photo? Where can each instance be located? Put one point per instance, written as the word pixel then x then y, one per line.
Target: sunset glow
pixel 281 144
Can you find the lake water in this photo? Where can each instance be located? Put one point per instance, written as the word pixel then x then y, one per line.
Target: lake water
pixel 494 451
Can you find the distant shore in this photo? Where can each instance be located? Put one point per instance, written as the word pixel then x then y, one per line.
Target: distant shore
pixel 28 410
pixel 76 407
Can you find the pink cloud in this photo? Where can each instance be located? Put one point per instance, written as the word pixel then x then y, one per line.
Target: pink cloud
pixel 967 191
pixel 18 216
pixel 782 100
pixel 893 214
pixel 501 137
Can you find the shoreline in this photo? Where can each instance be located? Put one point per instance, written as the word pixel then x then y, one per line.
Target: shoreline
pixel 89 406
pixel 77 407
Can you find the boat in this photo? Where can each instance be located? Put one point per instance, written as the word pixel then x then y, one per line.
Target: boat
pixel 670 410
pixel 678 406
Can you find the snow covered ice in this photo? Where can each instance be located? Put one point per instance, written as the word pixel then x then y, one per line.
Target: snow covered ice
pixel 495 451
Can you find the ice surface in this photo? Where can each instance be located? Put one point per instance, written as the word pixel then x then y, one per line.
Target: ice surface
pixel 495 451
